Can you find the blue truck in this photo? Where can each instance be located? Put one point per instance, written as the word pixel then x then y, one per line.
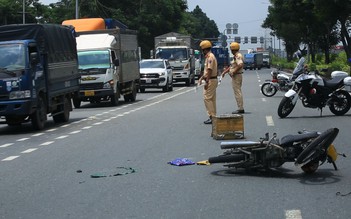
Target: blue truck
pixel 38 73
pixel 253 61
pixel 222 56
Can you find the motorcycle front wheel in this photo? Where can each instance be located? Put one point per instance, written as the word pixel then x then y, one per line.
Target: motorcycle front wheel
pixel 227 158
pixel 286 106
pixel 317 147
pixel 342 104
pixel 268 89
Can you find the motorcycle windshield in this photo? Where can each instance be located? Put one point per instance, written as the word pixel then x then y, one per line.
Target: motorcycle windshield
pixel 299 67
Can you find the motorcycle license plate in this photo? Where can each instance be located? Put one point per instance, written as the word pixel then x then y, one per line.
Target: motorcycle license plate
pixel 331 151
pixel 88 93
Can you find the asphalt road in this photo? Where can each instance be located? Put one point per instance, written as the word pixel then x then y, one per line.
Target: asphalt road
pixel 112 162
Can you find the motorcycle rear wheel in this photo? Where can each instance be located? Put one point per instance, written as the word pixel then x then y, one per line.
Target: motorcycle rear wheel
pixel 286 106
pixel 268 89
pixel 317 147
pixel 342 105
pixel 227 158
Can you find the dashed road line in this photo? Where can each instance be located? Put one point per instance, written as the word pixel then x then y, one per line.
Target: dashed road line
pixel 6 145
pixel 10 158
pixel 23 139
pixel 47 143
pixel 30 150
pixel 293 214
pixel 269 120
pixel 62 137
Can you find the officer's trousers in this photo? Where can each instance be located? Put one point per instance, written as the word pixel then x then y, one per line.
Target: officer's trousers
pixel 237 81
pixel 210 97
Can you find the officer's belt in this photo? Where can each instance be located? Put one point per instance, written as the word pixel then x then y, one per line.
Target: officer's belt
pixel 214 77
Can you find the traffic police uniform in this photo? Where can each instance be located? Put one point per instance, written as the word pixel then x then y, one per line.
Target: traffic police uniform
pixel 209 91
pixel 237 79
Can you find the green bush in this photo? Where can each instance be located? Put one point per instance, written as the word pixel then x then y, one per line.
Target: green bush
pixel 339 63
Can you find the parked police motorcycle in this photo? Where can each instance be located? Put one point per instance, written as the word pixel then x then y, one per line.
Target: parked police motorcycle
pixel 318 92
pixel 280 81
pixel 307 150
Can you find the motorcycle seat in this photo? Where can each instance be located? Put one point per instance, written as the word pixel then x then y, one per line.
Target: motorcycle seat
pixel 289 139
pixel 334 82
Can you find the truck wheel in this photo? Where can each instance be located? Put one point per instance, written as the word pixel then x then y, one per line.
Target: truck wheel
pixel 38 118
pixel 63 117
pixel 193 80
pixel 132 96
pixel 187 83
pixel 114 100
pixel 76 102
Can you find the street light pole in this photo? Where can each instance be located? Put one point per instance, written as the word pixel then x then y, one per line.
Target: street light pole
pixel 24 12
pixel 77 12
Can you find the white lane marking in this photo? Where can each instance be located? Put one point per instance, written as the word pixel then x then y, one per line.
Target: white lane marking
pixel 75 132
pixel 51 130
pixel 22 139
pixel 6 145
pixel 62 137
pixel 87 127
pixel 293 214
pixel 264 100
pixel 269 120
pixel 47 143
pixel 65 126
pixel 29 150
pixel 9 158
pixel 98 123
pixel 106 120
pixel 38 134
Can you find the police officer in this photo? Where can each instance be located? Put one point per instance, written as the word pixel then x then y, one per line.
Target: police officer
pixel 235 71
pixel 210 78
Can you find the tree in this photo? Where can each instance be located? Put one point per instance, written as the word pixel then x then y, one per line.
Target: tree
pixel 318 23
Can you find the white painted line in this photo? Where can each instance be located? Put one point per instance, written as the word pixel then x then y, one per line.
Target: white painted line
pixel 293 214
pixel 46 143
pixel 38 134
pixel 87 127
pixel 269 120
pixel 106 120
pixel 75 132
pixel 62 137
pixel 29 150
pixel 64 126
pixel 98 123
pixel 9 158
pixel 6 145
pixel 23 139
pixel 263 99
pixel 51 130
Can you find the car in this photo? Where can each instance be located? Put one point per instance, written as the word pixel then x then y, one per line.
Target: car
pixel 156 73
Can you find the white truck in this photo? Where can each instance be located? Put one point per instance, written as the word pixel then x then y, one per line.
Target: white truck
pixel 179 50
pixel 108 63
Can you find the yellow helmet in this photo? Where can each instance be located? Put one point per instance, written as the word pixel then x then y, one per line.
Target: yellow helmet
pixel 205 44
pixel 234 46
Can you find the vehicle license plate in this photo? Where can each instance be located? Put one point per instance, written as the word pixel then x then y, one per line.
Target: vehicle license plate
pixel 89 93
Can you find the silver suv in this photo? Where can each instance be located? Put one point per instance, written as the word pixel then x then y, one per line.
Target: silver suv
pixel 156 73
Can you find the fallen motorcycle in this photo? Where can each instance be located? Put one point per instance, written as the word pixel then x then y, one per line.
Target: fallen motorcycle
pixel 279 82
pixel 308 150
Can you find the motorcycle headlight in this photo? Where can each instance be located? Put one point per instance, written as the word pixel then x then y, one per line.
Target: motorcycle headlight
pixel 20 94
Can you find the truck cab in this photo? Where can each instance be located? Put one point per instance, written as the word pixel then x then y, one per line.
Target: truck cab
pixel 178 49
